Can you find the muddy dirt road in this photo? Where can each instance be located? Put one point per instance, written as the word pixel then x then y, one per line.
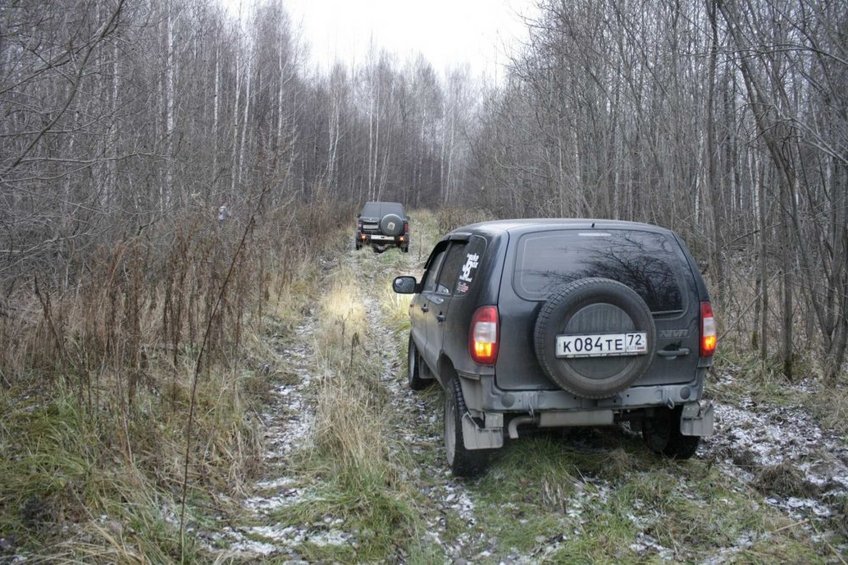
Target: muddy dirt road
pixel 771 484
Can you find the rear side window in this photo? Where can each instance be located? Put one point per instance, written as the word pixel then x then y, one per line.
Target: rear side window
pixel 451 267
pixel 470 264
pixel 433 272
pixel 647 262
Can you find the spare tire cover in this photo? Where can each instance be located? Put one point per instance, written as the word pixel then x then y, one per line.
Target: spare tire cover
pixel 391 224
pixel 586 307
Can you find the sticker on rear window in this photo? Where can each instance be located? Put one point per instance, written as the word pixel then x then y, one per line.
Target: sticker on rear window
pixel 467 274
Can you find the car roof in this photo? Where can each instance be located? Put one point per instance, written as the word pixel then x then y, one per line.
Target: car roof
pixel 382 208
pixel 526 225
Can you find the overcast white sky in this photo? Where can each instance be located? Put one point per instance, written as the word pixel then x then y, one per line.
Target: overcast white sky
pixel 448 33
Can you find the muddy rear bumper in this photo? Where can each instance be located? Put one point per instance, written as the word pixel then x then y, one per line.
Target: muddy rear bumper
pixel 368 239
pixel 481 393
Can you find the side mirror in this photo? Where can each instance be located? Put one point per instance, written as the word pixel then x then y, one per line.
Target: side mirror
pixel 404 285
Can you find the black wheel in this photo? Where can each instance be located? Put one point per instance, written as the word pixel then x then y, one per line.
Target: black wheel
pixel 593 306
pixel 413 374
pixel 357 245
pixel 391 224
pixel 661 433
pixel 404 248
pixel 463 462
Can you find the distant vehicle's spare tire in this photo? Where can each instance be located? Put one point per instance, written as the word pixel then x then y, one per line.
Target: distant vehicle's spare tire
pixel 391 224
pixel 594 307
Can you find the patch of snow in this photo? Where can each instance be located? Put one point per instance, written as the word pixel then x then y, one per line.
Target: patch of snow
pixel 645 544
pixel 752 437
pixel 799 508
pixel 254 547
pixel 280 482
pixel 265 504
pixel 332 537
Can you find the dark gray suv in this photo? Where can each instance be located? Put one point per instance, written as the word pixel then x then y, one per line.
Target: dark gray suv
pixel 382 225
pixel 554 323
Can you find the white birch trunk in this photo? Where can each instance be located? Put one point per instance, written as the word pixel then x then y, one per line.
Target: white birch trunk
pixel 235 147
pixel 244 121
pixel 167 192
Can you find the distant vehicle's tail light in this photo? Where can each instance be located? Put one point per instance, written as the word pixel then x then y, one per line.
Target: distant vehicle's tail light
pixel 708 330
pixel 483 335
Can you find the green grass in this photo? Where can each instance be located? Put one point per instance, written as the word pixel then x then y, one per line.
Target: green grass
pixel 593 502
pixel 752 378
pixel 57 475
pixel 374 507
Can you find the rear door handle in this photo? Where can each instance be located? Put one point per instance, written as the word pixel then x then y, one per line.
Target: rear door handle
pixel 672 353
pixel 440 317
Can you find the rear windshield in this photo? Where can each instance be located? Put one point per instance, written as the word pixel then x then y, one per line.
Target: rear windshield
pixel 647 262
pixel 380 209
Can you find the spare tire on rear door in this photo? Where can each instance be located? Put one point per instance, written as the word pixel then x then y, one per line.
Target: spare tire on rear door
pixel 594 337
pixel 391 224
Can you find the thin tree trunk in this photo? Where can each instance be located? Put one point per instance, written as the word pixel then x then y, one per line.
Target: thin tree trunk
pixel 167 192
pixel 216 104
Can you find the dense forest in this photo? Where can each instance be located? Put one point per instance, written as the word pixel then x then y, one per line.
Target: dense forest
pixel 125 125
pixel 727 121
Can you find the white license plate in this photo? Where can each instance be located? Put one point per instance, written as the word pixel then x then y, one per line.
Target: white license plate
pixel 370 226
pixel 602 345
pixel 382 238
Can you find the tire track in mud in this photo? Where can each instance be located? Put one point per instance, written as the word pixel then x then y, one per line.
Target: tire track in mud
pixel 417 427
pixel 288 418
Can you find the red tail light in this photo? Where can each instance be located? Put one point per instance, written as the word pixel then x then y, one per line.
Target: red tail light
pixel 483 335
pixel 708 330
pixel 406 227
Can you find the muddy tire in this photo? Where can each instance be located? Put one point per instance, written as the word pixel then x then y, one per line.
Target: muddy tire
pixel 413 374
pixel 463 462
pixel 593 306
pixel 661 433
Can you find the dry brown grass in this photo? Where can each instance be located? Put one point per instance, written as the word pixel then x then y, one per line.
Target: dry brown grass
pixel 350 401
pixel 451 218
pixel 110 360
pixel 783 479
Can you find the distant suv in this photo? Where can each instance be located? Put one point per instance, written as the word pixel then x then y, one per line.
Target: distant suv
pixel 555 323
pixel 382 225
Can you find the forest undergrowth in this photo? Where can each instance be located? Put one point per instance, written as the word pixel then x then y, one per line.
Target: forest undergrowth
pixel 98 378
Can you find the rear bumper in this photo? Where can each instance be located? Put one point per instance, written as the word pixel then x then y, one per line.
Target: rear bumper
pixel 368 239
pixel 491 412
pixel 481 393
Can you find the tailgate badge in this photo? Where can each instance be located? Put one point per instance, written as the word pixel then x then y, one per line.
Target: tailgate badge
pixel 670 334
